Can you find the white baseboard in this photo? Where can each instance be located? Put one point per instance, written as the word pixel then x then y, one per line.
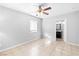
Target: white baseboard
pixel 47 36
pixel 17 45
pixel 72 43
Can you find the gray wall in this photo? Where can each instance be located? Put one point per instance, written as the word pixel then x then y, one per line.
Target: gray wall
pixel 49 28
pixel 71 27
pixel 15 28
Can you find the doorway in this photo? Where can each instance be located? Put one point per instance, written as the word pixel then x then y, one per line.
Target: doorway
pixel 59 30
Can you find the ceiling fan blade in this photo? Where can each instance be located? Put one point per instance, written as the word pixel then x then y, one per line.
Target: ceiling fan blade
pixel 48 8
pixel 46 13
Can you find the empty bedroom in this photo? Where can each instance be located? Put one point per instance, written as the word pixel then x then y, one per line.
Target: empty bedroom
pixel 39 29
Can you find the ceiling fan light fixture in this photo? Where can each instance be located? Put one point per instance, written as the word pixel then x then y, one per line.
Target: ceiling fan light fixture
pixel 43 8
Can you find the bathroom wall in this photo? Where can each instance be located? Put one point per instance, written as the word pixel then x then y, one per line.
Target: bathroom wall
pixel 15 28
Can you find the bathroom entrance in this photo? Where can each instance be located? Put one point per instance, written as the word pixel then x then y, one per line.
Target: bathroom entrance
pixel 59 30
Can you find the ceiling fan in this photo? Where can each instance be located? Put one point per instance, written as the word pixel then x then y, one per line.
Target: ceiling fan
pixel 43 8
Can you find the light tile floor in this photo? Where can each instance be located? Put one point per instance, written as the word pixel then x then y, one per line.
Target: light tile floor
pixel 43 47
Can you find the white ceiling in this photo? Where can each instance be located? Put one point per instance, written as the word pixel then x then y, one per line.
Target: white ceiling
pixel 57 8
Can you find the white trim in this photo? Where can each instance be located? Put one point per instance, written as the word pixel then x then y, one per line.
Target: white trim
pixel 47 36
pixel 72 43
pixel 65 29
pixel 17 45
